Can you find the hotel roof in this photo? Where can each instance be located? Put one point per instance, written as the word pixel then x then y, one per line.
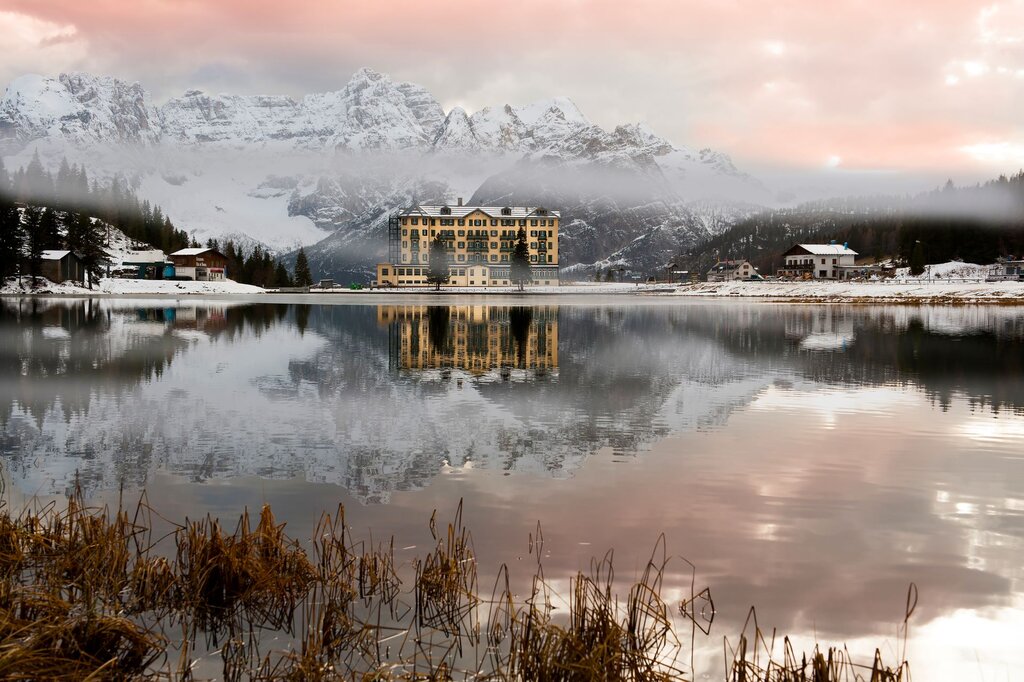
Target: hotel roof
pixel 439 211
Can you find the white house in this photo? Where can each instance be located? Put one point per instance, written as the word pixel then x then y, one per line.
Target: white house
pixel 728 270
pixel 817 261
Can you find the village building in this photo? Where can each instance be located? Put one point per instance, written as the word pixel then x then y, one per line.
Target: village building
pixel 1006 269
pixel 62 266
pixel 730 270
pixel 479 241
pixel 817 261
pixel 200 264
pixel 147 264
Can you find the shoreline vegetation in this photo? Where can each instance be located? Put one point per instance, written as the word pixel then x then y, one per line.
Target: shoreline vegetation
pixel 94 593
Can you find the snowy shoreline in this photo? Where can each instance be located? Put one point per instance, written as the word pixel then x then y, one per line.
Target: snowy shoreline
pixel 885 291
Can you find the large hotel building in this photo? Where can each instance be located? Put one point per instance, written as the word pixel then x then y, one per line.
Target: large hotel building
pixel 479 241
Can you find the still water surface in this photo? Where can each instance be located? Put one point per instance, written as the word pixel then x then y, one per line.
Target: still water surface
pixel 811 461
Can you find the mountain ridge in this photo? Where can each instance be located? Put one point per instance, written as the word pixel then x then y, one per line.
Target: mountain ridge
pixel 210 159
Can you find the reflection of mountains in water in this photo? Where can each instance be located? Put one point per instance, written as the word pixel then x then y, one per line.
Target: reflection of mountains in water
pixel 325 393
pixel 485 342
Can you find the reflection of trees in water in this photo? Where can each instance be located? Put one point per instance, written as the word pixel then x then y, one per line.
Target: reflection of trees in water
pixel 438 321
pixel 68 351
pixel 301 317
pixel 944 352
pixel 519 320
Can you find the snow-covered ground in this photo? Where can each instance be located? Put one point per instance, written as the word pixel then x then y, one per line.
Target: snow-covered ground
pixel 23 285
pixel 125 287
pixel 883 290
pixel 148 286
pixel 949 270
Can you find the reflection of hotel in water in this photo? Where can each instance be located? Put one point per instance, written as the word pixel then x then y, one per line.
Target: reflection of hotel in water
pixel 486 341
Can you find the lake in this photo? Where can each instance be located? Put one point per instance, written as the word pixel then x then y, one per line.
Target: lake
pixel 810 461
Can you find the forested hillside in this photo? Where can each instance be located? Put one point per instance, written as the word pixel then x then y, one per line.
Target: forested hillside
pixel 976 224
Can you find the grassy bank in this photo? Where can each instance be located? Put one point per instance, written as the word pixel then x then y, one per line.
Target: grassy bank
pixel 91 593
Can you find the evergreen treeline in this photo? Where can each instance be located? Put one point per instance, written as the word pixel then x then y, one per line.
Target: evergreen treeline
pixel 257 267
pixel 116 203
pixel 26 232
pixel 975 224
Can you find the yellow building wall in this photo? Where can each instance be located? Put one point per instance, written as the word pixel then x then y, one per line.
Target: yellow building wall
pixel 476 234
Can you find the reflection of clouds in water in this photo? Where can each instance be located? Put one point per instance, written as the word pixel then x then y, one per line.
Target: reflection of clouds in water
pixel 827 404
pixel 992 430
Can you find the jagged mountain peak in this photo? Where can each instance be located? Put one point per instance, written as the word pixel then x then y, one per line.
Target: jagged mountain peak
pixel 558 107
pixel 77 107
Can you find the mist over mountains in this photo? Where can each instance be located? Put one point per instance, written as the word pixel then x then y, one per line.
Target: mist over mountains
pixel 325 170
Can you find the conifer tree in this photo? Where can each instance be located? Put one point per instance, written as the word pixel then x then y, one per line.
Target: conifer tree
pixel 34 250
pixel 49 227
pixel 437 270
pixel 520 272
pixel 303 277
pixel 12 236
pixel 281 276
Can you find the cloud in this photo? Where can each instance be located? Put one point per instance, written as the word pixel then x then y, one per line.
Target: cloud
pixel 28 43
pixel 849 76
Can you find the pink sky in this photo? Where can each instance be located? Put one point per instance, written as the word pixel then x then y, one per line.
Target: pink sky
pixel 916 85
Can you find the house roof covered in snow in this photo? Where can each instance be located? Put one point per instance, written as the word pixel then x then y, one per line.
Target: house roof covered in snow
pixel 822 250
pixel 53 254
pixel 195 251
pixel 506 212
pixel 727 265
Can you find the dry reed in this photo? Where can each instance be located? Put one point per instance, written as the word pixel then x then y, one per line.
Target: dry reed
pixel 85 593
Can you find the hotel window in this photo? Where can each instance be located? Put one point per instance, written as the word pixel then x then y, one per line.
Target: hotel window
pixel 462 245
pixel 494 258
pixel 415 221
pixel 550 258
pixel 493 222
pixel 504 258
pixel 522 223
pixel 533 245
pixel 405 233
pixel 494 233
pixel 462 221
pixel 461 258
pixel 533 223
pixel 494 245
pixel 405 245
pixel 506 211
pixel 383 272
pixel 462 233
pixel 445 210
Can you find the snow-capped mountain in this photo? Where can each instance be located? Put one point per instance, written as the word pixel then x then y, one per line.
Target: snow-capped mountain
pixel 326 168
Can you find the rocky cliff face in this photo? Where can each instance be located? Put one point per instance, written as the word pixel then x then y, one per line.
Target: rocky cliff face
pixel 287 171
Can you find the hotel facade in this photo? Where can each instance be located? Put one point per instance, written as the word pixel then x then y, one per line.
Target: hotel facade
pixel 479 241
